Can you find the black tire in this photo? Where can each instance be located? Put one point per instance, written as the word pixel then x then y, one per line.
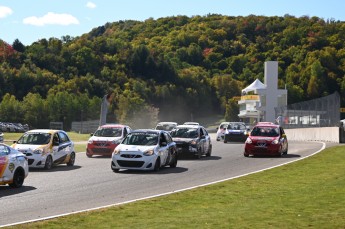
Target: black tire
pixel 71 160
pixel 280 152
pixel 18 179
pixel 225 141
pixel 88 155
pixel 115 170
pixel 209 151
pixel 286 151
pixel 173 164
pixel 198 154
pixel 157 165
pixel 246 155
pixel 49 163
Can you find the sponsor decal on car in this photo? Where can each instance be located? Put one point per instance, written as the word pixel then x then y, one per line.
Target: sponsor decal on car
pixel 11 167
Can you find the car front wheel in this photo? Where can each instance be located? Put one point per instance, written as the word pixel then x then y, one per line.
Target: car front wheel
pixel 173 164
pixel 209 151
pixel 71 160
pixel 157 164
pixel 198 154
pixel 49 163
pixel 18 179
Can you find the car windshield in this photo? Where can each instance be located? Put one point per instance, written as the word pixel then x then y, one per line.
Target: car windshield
pixel 108 132
pixel 147 139
pixel 35 138
pixel 185 133
pixel 235 126
pixel 265 131
pixel 167 127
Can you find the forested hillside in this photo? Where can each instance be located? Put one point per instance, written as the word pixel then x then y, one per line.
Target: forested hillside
pixel 169 69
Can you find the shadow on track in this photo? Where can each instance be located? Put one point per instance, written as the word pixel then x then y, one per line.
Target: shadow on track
pixel 162 171
pixel 6 190
pixel 56 168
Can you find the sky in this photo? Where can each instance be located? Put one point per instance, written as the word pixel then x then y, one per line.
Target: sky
pixel 32 20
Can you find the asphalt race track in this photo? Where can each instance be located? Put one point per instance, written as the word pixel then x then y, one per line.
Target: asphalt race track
pixel 91 183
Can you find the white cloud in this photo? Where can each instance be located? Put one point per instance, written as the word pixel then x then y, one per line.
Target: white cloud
pixel 51 19
pixel 90 5
pixel 5 11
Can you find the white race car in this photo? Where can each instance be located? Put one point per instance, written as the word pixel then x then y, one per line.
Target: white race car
pixel 145 150
pixel 13 166
pixel 46 148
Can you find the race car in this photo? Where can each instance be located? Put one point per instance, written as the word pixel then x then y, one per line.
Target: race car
pixel 105 139
pixel 236 132
pixel 13 166
pixel 45 148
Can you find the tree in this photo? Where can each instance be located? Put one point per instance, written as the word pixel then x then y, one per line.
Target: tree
pixel 35 111
pixel 11 109
pixel 231 111
pixel 18 46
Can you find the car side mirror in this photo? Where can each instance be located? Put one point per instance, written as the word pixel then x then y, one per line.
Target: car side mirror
pixel 91 134
pixel 55 143
pixel 164 143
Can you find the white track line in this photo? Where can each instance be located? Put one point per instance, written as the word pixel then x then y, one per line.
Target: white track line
pixel 163 194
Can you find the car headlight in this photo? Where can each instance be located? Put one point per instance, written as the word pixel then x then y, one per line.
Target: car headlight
pixel 193 142
pixel 116 151
pixel 149 152
pixel 275 142
pixel 38 151
pixel 89 141
pixel 249 141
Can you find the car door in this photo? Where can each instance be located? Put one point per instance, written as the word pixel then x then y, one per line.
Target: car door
pixel 56 152
pixel 163 149
pixel 4 152
pixel 202 137
pixel 171 147
pixel 284 139
pixel 207 140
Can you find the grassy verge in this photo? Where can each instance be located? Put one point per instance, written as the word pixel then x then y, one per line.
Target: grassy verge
pixel 9 137
pixel 75 137
pixel 308 193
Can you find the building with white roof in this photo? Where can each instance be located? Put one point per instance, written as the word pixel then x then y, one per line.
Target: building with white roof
pixel 259 100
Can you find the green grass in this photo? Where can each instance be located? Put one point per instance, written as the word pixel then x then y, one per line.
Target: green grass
pixel 305 194
pixel 75 137
pixel 9 137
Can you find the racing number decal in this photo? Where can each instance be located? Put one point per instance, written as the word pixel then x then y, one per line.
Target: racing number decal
pixel 3 164
pixel 11 167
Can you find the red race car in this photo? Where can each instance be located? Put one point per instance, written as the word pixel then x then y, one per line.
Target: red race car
pixel 266 139
pixel 105 139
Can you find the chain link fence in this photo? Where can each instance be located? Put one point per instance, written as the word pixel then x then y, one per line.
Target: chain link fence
pixel 321 112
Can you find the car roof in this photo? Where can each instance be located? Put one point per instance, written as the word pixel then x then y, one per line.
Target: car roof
pixel 147 131
pixel 166 123
pixel 271 124
pixel 188 126
pixel 50 131
pixel 112 125
pixel 190 123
